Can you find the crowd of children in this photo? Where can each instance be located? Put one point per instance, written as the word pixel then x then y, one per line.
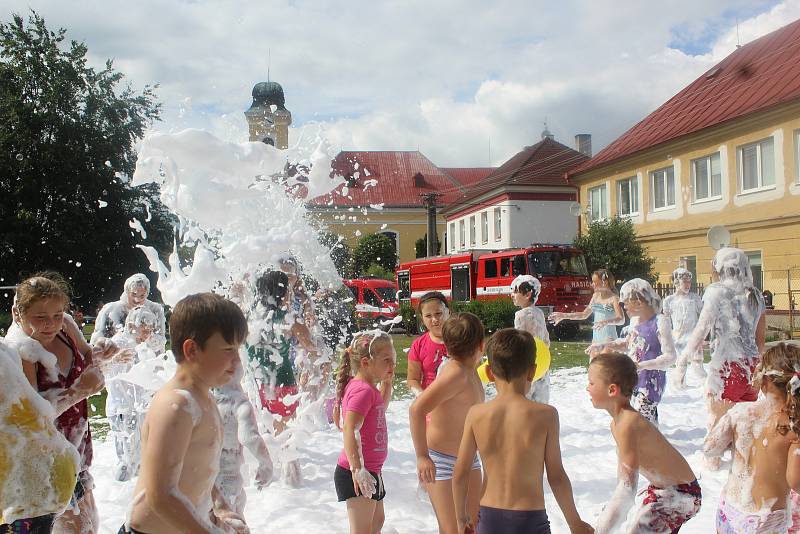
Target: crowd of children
pixel 481 463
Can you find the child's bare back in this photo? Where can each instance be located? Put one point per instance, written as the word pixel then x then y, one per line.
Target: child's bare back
pixel 181 441
pixel 512 435
pixel 447 419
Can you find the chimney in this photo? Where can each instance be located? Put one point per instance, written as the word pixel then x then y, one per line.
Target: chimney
pixel 419 180
pixel 583 144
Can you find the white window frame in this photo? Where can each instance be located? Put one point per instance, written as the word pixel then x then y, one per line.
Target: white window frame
pixel 797 157
pixel 498 224
pixel 473 233
pixel 602 211
pixel 668 174
pixel 484 227
pixel 452 237
pixel 707 161
pixel 633 196
pixel 759 165
pixel 462 238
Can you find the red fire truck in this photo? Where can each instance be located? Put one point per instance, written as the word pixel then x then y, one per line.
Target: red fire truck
pixel 375 299
pixel 487 274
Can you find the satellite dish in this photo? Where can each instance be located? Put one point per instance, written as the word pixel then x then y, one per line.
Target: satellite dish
pixel 718 237
pixel 575 209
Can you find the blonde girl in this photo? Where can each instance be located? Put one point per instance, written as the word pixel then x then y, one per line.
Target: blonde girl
pixel 604 305
pixel 428 351
pixel 361 402
pixel 39 313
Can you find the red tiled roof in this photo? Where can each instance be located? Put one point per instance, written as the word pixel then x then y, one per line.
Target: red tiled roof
pixel 760 74
pixel 468 176
pixel 387 177
pixel 542 164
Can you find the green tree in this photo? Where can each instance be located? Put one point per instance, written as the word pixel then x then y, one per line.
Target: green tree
pixel 379 272
pixel 421 246
pixel 67 134
pixel 375 249
pixel 341 255
pixel 613 245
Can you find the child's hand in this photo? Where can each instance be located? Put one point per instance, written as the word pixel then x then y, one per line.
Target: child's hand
pixel 104 349
pixel 465 525
pixel 364 483
pixel 599 324
pixel 426 471
pixel 581 527
pixel 231 522
pixel 555 318
pixel 91 380
pixel 264 474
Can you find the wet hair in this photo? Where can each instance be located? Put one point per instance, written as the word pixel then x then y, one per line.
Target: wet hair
pixel 733 266
pixel 137 280
pixel 431 296
pixel 605 276
pixel 679 273
pixel 780 365
pixel 271 288
pixel 641 290
pixel 462 334
pixel 140 315
pixel 619 369
pixel 512 353
pixel 360 347
pixel 525 284
pixel 41 286
pixel 199 316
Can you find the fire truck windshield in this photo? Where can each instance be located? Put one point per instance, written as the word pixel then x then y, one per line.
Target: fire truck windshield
pixel 557 262
pixel 386 293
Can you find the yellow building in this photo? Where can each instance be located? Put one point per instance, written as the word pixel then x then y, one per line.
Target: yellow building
pixel 384 193
pixel 723 151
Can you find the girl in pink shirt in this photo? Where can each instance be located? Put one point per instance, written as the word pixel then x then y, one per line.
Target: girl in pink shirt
pixel 361 405
pixel 428 351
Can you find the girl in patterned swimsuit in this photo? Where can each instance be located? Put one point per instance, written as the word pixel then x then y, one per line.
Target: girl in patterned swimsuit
pixel 605 307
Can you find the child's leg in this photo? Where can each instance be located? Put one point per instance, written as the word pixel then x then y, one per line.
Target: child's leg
pixel 378 517
pixel 474 493
pixel 666 509
pixel 85 521
pixel 441 494
pixel 361 512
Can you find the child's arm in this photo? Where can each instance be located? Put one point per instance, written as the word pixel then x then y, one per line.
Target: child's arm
pixel 170 425
pixel 557 317
pixel 532 322
pixel 386 388
pixel 446 386
pixel 558 479
pixel 414 377
pixel 617 320
pixel 622 499
pixel 224 516
pixel 704 322
pixel 363 482
pixel 250 438
pixel 720 438
pixel 667 357
pixel 793 466
pixel 461 472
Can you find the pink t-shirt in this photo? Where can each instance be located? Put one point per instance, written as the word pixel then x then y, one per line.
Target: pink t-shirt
pixel 430 356
pixel 365 399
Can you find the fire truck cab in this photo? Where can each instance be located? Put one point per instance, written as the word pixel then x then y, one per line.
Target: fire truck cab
pixel 482 274
pixel 375 299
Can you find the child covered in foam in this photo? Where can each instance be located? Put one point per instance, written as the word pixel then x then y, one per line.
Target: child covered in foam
pixel 525 291
pixel 673 496
pixel 765 439
pixel 683 308
pixel 126 403
pixel 182 433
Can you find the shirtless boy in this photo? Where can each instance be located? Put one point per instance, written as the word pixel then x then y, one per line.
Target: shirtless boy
pixel 673 496
pixel 182 433
pixel 517 440
pixel 447 399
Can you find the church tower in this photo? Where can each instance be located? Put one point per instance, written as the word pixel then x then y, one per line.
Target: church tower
pixel 268 118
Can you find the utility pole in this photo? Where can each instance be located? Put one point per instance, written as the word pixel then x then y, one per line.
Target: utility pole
pixel 429 201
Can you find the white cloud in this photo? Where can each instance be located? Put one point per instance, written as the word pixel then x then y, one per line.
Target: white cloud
pixel 450 78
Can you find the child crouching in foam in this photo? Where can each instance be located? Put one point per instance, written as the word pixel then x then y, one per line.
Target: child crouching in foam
pixel 182 433
pixel 447 399
pixel 517 439
pixel 673 496
pixel 764 438
pixel 362 405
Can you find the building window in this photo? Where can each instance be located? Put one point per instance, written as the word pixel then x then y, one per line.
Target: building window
pixel 598 204
pixel 756 165
pixel 756 267
pixel 628 197
pixel 797 156
pixel 462 234
pixel 707 177
pixel 472 232
pixel 498 224
pixel 662 185
pixel 484 227
pixel 452 236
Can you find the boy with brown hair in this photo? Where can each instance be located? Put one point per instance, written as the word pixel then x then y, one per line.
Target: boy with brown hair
pixel 447 399
pixel 517 440
pixel 673 496
pixel 182 433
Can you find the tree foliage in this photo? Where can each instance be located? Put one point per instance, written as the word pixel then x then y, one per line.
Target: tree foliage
pixel 67 134
pixel 378 249
pixel 421 246
pixel 612 245
pixel 341 255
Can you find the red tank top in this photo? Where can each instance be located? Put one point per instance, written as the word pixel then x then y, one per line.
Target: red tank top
pixel 74 422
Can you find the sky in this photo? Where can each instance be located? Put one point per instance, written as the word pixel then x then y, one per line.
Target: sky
pixel 467 83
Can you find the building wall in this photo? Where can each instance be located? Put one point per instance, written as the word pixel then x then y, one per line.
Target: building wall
pixel 542 221
pixel 766 220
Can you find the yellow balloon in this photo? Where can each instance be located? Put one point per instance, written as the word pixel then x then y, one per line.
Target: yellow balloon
pixel 542 363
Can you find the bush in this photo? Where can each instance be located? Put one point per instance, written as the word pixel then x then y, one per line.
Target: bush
pixel 494 314
pixel 5 322
pixel 613 245
pixel 379 271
